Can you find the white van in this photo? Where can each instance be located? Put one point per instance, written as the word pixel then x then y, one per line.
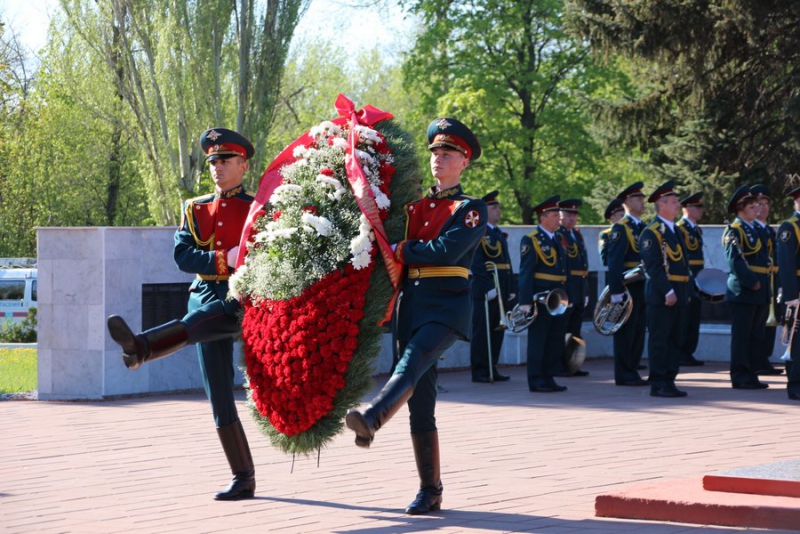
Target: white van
pixel 17 293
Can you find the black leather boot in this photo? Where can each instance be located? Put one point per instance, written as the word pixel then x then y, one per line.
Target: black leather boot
pixel 234 443
pixel 393 395
pixel 149 345
pixel 426 453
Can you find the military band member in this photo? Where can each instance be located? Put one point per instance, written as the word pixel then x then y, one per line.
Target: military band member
pixel 491 254
pixel 578 274
pixel 443 230
pixel 623 255
pixel 667 291
pixel 748 289
pixel 692 235
pixel 614 212
pixel 543 267
pixel 207 244
pixel 789 264
pixel 768 236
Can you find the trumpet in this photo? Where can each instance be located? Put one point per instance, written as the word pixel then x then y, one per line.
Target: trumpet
pixel 555 302
pixel 790 325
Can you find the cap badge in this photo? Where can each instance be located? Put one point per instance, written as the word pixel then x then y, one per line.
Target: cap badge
pixel 213 135
pixel 443 124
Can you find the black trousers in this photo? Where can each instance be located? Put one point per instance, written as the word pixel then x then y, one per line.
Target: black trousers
pixel 629 340
pixel 667 328
pixel 545 347
pixel 747 340
pixel 692 334
pixel 479 343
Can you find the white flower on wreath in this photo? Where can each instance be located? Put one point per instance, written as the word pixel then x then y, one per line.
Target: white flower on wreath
pixel 361 245
pixel 321 225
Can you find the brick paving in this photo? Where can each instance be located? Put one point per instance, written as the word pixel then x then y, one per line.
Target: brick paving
pixel 512 461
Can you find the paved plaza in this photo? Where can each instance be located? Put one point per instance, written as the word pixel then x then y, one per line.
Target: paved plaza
pixel 512 461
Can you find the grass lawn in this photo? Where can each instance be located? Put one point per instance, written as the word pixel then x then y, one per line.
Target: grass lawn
pixel 17 370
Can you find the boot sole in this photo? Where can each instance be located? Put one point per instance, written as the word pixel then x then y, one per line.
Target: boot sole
pixel 356 422
pixel 125 338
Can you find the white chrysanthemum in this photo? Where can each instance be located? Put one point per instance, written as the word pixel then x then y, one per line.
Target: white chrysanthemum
pixel 325 129
pixel 339 143
pixel 299 151
pixel 367 135
pixel 361 245
pixel 323 226
pixel 381 199
pixel 285 193
pixel 237 284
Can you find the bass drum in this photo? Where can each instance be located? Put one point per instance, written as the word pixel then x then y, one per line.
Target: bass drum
pixel 711 285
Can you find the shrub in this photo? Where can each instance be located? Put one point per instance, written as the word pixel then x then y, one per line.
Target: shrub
pixel 21 332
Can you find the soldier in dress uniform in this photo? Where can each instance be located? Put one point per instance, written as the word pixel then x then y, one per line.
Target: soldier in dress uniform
pixel 614 212
pixel 623 255
pixel 748 289
pixel 789 264
pixel 443 230
pixel 768 236
pixel 577 278
pixel 207 244
pixel 543 267
pixel 491 254
pixel 692 236
pixel 668 290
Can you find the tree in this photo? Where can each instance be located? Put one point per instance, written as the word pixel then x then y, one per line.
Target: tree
pixel 509 69
pixel 717 103
pixel 179 67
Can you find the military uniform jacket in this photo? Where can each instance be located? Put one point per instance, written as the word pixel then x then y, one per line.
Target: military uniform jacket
pixel 543 265
pixel 665 264
pixel 789 257
pixel 602 245
pixel 577 264
pixel 623 252
pixel 692 236
pixel 210 226
pixel 748 264
pixel 443 230
pixel 492 248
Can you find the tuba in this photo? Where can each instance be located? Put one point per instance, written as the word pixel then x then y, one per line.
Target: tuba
pixel 555 302
pixel 609 316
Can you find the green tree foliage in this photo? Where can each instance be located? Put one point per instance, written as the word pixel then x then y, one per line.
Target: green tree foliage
pixel 508 69
pixel 716 103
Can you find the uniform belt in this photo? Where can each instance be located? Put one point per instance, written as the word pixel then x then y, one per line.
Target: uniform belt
pixel 434 272
pixel 678 278
pixel 760 270
pixel 500 266
pixel 701 263
pixel 213 277
pixel 775 269
pixel 579 273
pixel 550 277
pixel 631 264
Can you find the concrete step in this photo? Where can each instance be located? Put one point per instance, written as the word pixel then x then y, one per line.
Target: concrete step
pixel 685 501
pixel 780 478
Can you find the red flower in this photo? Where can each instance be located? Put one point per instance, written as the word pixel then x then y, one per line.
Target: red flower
pixel 276 215
pixel 327 171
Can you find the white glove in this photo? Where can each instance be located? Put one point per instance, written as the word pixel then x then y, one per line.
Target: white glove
pixel 232 255
pixel 525 308
pixel 585 301
pixel 793 303
pixel 394 247
pixel 616 299
pixel 492 294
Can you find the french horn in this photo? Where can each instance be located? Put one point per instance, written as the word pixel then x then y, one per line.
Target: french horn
pixel 555 302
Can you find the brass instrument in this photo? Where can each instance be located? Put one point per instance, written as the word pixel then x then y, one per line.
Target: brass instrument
pixel 790 325
pixel 771 320
pixel 555 302
pixel 609 317
pixel 504 323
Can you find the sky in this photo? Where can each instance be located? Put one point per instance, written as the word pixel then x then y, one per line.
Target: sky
pixel 336 19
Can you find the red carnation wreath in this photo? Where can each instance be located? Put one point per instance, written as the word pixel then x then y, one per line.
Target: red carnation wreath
pixel 318 275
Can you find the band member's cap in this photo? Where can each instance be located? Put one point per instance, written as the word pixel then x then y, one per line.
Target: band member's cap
pixel 633 190
pixel 221 143
pixel 551 204
pixel 794 193
pixel 614 206
pixel 491 198
pixel 570 205
pixel 741 194
pixel 760 190
pixel 695 200
pixel 666 189
pixel 449 132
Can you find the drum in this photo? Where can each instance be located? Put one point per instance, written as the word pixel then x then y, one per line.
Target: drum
pixel 711 285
